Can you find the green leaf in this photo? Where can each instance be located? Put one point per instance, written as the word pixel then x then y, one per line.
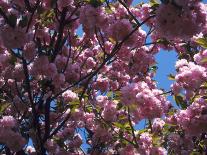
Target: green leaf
pixel 96 3
pixel 133 106
pixel 154 3
pixel 13 60
pixel 124 126
pixel 89 108
pixel 163 41
pixel 110 94
pixel 113 41
pixel 142 131
pixel 119 106
pixel 3 107
pixel 154 68
pixel 47 17
pixel 127 126
pixel 118 125
pixel 171 112
pixel 12 19
pixel 204 60
pixel 122 117
pixel 108 10
pixel 202 42
pixel 117 95
pixel 23 22
pixel 74 105
pixel 171 77
pixel 180 101
pixel 195 153
pixel 156 140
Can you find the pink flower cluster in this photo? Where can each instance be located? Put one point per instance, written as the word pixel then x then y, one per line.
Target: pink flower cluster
pixel 200 58
pixel 157 125
pixel 144 101
pixel 57 82
pixel 69 96
pixel 193 119
pixel 146 145
pixel 180 144
pixel 116 29
pixel 13 140
pixel 181 20
pixel 92 18
pixel 13 37
pixel 141 60
pixel 190 76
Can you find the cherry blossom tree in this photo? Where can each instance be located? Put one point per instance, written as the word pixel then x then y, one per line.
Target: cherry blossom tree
pixel 59 89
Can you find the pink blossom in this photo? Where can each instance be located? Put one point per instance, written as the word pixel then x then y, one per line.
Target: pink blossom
pixel 77 141
pixel 116 29
pixel 157 124
pixel 128 93
pixel 7 122
pixel 190 76
pixel 29 51
pixel 58 80
pixel 158 151
pixel 60 61
pixel 172 23
pixel 91 17
pixel 69 96
pixel 13 37
pixel 102 84
pixel 109 112
pixel 64 3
